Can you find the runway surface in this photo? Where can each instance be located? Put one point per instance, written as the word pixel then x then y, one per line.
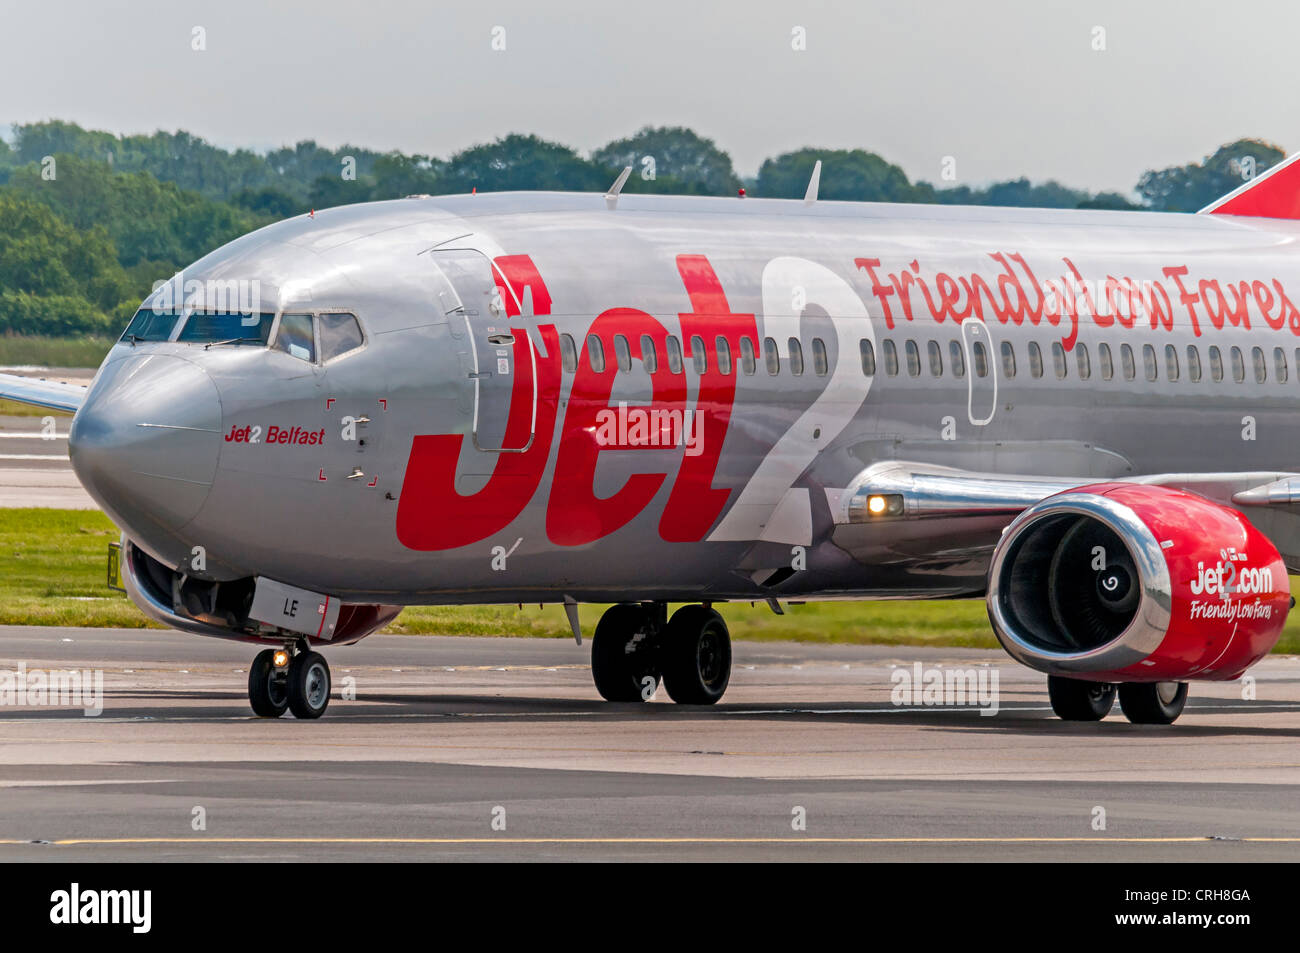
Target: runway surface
pixel 34 466
pixel 447 734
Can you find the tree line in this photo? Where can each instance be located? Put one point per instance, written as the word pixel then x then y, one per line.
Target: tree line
pixel 90 220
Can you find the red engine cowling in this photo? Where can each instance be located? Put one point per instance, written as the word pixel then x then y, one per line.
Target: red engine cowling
pixel 1124 582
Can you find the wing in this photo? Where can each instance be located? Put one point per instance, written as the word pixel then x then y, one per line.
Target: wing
pixel 52 395
pixel 912 522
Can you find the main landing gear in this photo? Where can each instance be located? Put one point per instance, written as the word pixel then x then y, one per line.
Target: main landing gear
pixel 292 679
pixel 636 646
pixel 1143 703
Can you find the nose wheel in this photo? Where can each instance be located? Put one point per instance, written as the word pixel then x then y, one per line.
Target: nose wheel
pixel 281 680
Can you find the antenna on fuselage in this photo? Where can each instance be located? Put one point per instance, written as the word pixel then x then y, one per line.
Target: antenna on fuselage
pixel 611 197
pixel 813 184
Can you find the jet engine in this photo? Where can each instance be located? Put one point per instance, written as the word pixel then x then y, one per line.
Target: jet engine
pixel 221 609
pixel 1124 582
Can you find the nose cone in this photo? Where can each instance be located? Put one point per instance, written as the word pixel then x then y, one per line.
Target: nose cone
pixel 145 443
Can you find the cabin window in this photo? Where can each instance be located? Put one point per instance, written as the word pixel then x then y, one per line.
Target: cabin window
pixel 595 354
pixel 796 356
pixel 1082 361
pixel 1193 363
pixel 568 353
pixel 979 357
pixel 1008 360
pixel 1171 362
pixel 956 358
pixel 1035 360
pixel 770 356
pixel 1106 362
pixel 698 355
pixel 821 365
pixel 1216 363
pixel 891 358
pixel 1058 360
pixel 295 336
pixel 913 358
pixel 340 333
pixel 1238 365
pixel 1149 362
pixel 1279 365
pixel 1126 359
pixel 935 354
pixel 649 357
pixel 748 363
pixel 673 351
pixel 622 353
pixel 724 354
pixel 868 352
pixel 1260 365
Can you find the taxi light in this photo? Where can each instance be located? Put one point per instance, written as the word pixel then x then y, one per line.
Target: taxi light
pixel 876 505
pixel 281 658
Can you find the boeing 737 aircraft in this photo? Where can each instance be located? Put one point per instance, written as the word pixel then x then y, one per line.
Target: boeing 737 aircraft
pixel 1090 419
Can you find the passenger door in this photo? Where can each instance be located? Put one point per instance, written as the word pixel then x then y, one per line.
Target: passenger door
pixel 489 348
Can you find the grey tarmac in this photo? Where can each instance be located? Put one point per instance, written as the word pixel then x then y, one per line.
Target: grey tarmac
pixel 445 730
pixel 34 469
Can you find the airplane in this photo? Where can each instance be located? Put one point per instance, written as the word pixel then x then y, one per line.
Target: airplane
pixel 1087 418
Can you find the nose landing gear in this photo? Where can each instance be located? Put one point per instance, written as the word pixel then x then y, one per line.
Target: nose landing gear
pixel 636 645
pixel 289 679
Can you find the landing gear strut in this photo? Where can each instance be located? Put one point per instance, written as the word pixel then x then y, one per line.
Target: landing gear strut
pixel 636 645
pixel 289 679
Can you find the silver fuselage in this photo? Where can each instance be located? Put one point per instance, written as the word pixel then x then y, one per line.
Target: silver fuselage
pixel 452 506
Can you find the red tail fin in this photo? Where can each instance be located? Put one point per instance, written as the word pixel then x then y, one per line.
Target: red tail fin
pixel 1275 194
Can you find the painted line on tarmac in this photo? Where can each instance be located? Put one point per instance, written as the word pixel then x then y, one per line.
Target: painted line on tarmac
pixel 417 841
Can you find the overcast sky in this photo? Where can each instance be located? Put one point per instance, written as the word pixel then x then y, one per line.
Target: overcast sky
pixel 1005 87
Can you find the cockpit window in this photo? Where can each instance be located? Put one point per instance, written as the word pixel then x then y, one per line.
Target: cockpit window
pixel 295 337
pixel 339 334
pixel 224 327
pixel 151 325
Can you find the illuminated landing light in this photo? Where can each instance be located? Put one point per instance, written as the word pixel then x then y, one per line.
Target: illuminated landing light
pixel 885 504
pixel 281 658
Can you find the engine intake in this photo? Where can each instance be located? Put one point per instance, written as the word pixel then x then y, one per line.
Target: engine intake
pixel 1129 582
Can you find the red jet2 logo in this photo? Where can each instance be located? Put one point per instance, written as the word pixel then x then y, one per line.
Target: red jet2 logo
pixel 574 514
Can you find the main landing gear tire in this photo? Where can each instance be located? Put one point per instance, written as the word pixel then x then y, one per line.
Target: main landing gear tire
pixel 1152 703
pixel 268 690
pixel 1077 700
pixel 624 663
pixel 309 685
pixel 696 655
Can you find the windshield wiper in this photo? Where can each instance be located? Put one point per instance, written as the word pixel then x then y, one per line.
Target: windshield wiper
pixel 232 341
